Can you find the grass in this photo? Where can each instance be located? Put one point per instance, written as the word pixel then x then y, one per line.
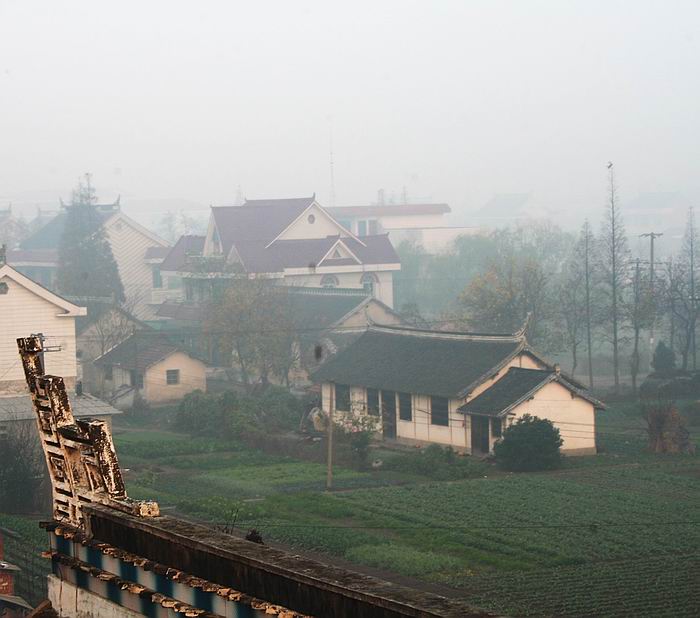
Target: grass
pixel 611 531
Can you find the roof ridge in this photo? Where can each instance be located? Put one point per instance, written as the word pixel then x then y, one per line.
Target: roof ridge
pixel 446 334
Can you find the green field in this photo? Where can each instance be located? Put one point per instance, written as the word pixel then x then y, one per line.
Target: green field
pixel 612 535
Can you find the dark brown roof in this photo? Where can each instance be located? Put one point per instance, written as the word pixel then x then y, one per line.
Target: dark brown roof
pixel 157 253
pixel 420 361
pixel 307 252
pixel 340 212
pixel 259 220
pixel 186 312
pixel 177 256
pixel 45 256
pixel 138 352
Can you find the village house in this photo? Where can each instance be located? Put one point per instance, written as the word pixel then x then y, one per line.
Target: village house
pixel 295 241
pixel 27 307
pixel 149 367
pixel 137 251
pixel 455 389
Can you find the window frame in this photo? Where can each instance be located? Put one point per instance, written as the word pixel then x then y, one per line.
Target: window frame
pixel 405 399
pixel 439 421
pixel 496 427
pixel 373 410
pixel 342 391
pixel 172 372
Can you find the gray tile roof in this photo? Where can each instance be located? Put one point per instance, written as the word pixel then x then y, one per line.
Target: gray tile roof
pixel 516 386
pixel 139 352
pixel 423 362
pixel 19 408
pixel 176 257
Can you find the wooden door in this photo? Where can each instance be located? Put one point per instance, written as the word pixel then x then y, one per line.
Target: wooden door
pixel 389 414
pixel 480 434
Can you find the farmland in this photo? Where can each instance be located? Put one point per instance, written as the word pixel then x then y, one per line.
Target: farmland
pixel 616 534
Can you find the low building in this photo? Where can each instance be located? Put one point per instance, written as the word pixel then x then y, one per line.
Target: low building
pixel 148 366
pixel 11 604
pixel 455 389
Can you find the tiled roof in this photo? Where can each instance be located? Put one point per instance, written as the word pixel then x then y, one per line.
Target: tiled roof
pixel 138 352
pixel 177 255
pixel 20 408
pixel 340 212
pixel 42 256
pixel 516 386
pixel 260 220
pixel 423 362
pixel 184 311
pixel 157 253
pixel 309 252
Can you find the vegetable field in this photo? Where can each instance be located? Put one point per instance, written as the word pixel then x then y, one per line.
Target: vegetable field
pixel 613 535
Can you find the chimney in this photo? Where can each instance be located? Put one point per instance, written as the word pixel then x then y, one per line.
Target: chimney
pixel 557 368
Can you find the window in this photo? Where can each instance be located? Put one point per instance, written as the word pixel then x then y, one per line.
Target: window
pixel 329 281
pixel 373 227
pixel 496 427
pixel 136 379
pixel 4 288
pixel 362 228
pixel 439 414
pixel 172 376
pixel 109 375
pixel 405 407
pixel 342 397
pixel 311 218
pixel 368 281
pixel 373 401
pixel 157 277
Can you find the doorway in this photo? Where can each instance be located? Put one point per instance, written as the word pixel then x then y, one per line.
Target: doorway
pixel 480 434
pixel 389 414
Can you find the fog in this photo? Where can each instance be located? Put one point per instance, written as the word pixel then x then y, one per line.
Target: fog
pixel 453 101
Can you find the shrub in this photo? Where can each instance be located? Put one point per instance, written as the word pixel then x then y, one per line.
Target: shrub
pixel 438 463
pixel 664 359
pixel 531 443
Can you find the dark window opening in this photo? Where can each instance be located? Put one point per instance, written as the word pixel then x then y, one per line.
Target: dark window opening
pixel 373 401
pixel 496 427
pixel 157 277
pixel 342 397
pixel 362 228
pixel 405 407
pixel 136 379
pixel 172 376
pixel 439 413
pixel 108 372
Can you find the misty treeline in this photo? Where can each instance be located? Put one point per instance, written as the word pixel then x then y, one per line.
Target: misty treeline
pixel 587 296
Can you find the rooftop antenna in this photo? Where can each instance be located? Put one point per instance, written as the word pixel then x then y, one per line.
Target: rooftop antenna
pixel 330 130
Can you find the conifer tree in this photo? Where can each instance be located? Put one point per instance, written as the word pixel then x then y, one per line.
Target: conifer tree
pixel 86 266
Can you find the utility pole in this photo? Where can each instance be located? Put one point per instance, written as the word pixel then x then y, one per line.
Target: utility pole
pixel 332 170
pixel 614 283
pixel 691 225
pixel 329 472
pixel 652 236
pixel 587 252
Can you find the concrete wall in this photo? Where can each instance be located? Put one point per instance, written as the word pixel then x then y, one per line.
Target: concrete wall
pixel 22 313
pixel 69 601
pixel 192 377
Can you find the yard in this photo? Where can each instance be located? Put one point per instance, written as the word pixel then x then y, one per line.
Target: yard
pixel 615 534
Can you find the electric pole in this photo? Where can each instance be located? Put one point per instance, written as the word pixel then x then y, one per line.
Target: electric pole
pixel 652 236
pixel 691 221
pixel 329 471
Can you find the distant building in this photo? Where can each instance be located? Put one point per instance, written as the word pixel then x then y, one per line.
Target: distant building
pixel 137 251
pixel 11 605
pixel 424 224
pixel 295 241
pixel 456 389
pixel 27 307
pixel 146 365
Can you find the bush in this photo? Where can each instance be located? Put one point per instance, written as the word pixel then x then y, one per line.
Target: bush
pixel 438 463
pixel 529 444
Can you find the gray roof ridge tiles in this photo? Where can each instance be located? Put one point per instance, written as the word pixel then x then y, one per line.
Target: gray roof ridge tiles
pixel 447 334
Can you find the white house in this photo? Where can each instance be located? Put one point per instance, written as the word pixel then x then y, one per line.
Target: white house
pixel 296 241
pixel 27 308
pixel 455 389
pixel 137 251
pixel 424 224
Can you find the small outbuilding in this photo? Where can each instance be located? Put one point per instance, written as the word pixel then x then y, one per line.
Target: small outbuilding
pixel 149 366
pixel 454 388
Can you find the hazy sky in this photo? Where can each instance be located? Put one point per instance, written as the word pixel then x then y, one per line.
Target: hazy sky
pixel 455 100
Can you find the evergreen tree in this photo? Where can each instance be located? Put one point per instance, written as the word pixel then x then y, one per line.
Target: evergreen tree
pixel 86 266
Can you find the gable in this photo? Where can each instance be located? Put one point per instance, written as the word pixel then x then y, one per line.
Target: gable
pixel 314 222
pixel 32 293
pixel 337 254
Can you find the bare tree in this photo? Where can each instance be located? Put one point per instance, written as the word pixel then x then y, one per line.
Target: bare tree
pixel 640 311
pixel 21 465
pixel 613 258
